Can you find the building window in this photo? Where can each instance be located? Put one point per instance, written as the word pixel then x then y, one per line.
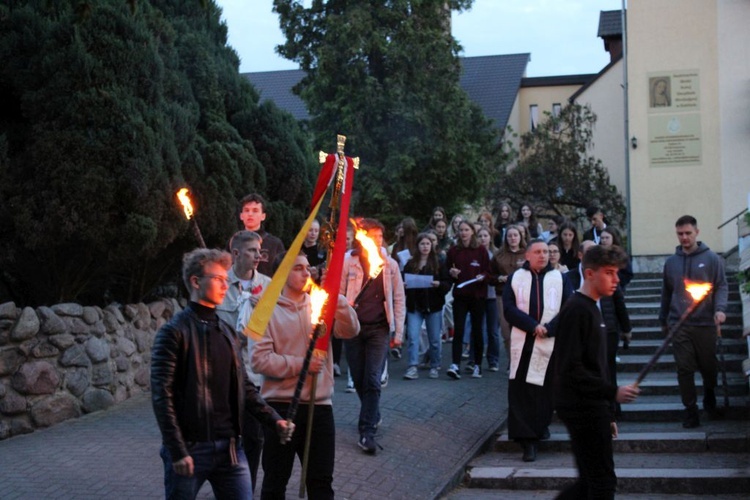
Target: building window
pixel 556 110
pixel 534 117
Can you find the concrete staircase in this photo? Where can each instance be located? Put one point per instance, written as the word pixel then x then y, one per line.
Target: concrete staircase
pixel 655 457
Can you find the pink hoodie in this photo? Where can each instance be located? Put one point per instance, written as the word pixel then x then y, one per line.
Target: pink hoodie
pixel 279 355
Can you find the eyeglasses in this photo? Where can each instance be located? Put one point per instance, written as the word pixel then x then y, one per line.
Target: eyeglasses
pixel 219 280
pixel 554 251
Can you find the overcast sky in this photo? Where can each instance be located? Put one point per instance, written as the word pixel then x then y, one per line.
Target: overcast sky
pixel 559 34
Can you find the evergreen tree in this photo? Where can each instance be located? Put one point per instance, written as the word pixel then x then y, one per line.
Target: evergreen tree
pixel 109 108
pixel 386 75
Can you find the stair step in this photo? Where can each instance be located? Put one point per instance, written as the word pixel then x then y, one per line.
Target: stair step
pixel 665 384
pixel 636 362
pixel 670 409
pixel 734 308
pixel 653 330
pixel 636 472
pixel 641 345
pixel 733 318
pixel 668 437
pixel 464 493
pixel 654 295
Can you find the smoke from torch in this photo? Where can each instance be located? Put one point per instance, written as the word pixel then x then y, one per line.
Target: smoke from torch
pixel 187 207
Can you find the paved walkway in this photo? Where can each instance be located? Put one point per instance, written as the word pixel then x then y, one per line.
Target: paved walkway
pixel 430 430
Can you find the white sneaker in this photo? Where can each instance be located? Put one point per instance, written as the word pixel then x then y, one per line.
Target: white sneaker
pixel 350 388
pixel 477 372
pixel 433 373
pixel 411 373
pixel 453 372
pixel 384 380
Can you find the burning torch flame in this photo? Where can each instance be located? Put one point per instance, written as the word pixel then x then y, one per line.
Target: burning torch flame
pixel 187 205
pixel 372 252
pixel 697 290
pixel 318 297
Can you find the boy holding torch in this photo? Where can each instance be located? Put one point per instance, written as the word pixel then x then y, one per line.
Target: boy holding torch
pixel 695 343
pixel 584 391
pixel 279 356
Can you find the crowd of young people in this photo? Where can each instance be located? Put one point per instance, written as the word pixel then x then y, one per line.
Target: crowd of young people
pixel 469 283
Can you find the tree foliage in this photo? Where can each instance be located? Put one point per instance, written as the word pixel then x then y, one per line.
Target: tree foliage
pixel 555 172
pixel 386 75
pixel 108 108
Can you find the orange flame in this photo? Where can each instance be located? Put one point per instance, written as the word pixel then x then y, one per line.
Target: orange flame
pixel 372 252
pixel 187 205
pixel 318 297
pixel 697 290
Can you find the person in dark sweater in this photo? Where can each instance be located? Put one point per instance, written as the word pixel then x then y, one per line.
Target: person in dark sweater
pixel 252 214
pixel 614 312
pixel 200 391
pixel 425 305
pixel 584 392
pixel 532 299
pixel 469 266
pixel 381 309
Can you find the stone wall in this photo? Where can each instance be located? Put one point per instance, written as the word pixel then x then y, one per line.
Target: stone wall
pixel 63 361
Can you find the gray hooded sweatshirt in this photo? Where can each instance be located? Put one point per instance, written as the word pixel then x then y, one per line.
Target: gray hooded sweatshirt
pixel 702 265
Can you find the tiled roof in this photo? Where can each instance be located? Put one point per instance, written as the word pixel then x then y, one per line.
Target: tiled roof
pixel 492 82
pixel 277 86
pixel 610 23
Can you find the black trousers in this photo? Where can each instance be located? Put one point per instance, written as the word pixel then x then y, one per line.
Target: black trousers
pixel 591 440
pixel 252 443
pixel 695 351
pixel 278 459
pixel 461 307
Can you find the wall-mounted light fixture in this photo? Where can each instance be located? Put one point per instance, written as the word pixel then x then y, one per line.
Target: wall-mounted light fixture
pixel 634 142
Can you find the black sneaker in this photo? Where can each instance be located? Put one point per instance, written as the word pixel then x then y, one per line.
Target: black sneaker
pixel 709 400
pixel 691 419
pixel 367 443
pixel 529 452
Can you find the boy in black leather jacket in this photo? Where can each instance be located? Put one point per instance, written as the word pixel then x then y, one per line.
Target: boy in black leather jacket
pixel 200 390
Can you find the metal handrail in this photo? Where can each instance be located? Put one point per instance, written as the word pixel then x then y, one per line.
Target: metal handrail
pixel 732 218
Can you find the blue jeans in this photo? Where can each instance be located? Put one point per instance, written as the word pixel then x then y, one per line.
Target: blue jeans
pixel 366 354
pixel 433 322
pixel 212 462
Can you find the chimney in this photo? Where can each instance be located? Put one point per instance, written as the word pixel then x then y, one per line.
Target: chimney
pixel 610 31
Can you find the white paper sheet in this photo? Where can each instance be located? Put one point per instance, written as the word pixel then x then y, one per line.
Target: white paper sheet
pixel 418 280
